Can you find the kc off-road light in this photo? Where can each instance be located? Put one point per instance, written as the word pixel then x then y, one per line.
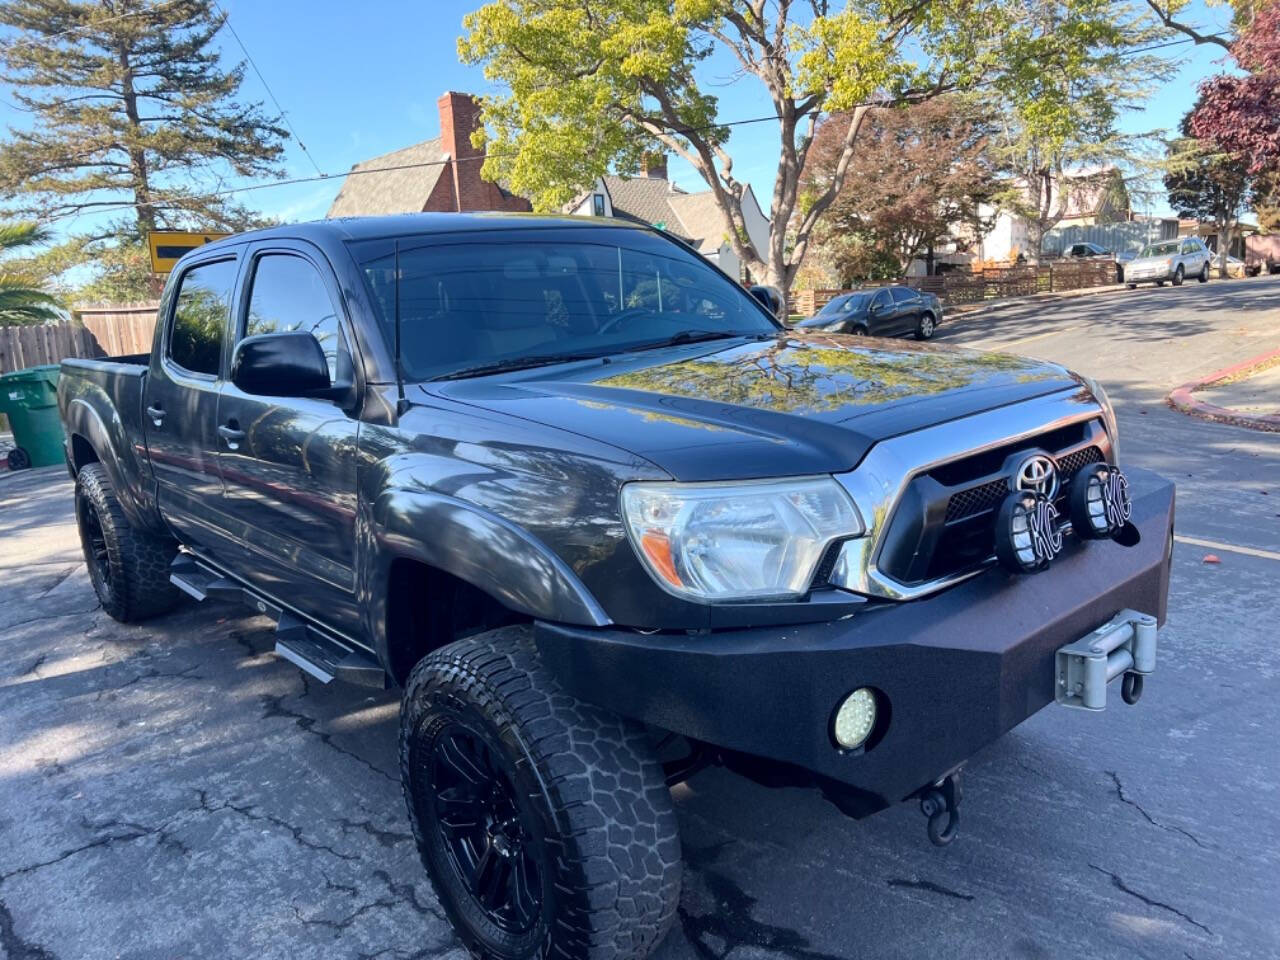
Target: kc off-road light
pixel 1027 533
pixel 1100 503
pixel 855 719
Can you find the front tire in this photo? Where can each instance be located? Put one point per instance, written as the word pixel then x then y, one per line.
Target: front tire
pixel 1132 286
pixel 1177 276
pixel 545 824
pixel 926 326
pixel 129 568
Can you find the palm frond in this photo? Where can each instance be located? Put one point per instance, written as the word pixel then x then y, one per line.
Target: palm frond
pixel 22 304
pixel 20 234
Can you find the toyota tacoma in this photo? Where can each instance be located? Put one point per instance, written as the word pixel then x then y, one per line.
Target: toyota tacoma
pixel 606 523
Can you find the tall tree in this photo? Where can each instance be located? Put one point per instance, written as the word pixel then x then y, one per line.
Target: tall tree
pixel 22 300
pixel 918 173
pixel 1059 138
pixel 1209 185
pixel 130 108
pixel 595 84
pixel 1241 114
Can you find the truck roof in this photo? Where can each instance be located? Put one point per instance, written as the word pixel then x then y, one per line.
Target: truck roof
pixel 407 224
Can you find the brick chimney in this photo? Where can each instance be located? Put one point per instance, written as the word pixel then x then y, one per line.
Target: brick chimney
pixel 459 117
pixel 654 166
pixel 462 188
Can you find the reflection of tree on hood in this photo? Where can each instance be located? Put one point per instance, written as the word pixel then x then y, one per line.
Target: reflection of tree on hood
pixel 822 374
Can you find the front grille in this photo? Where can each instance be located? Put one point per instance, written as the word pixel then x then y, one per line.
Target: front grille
pixel 976 500
pixel 944 523
pixel 988 496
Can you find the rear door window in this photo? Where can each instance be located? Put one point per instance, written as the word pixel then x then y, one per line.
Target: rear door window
pixel 903 294
pixel 200 317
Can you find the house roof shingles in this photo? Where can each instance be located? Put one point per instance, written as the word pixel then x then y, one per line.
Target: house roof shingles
pixel 694 217
pixel 389 190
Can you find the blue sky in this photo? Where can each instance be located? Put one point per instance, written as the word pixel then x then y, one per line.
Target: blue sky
pixel 358 80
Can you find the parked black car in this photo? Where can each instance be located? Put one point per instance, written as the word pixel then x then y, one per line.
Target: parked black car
pixel 608 523
pixel 884 312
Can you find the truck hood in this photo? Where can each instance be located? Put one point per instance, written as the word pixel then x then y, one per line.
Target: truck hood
pixel 804 403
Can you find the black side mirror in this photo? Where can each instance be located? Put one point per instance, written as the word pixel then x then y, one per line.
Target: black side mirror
pixel 281 365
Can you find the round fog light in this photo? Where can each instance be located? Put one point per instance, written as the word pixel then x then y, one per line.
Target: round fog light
pixel 855 719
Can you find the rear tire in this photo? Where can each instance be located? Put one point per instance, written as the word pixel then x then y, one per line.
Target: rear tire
pixel 1132 286
pixel 1159 283
pixel 545 824
pixel 1177 276
pixel 129 568
pixel 1204 274
pixel 926 327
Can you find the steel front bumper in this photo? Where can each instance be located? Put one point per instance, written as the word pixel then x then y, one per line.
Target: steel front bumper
pixel 956 670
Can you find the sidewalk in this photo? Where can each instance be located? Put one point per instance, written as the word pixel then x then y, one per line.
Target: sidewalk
pixel 1247 394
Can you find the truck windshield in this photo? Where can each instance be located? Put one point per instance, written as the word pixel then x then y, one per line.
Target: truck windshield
pixel 478 305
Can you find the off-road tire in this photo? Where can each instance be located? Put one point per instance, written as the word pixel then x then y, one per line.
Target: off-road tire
pixel 136 585
pixel 1204 274
pixel 926 327
pixel 598 805
pixel 1178 276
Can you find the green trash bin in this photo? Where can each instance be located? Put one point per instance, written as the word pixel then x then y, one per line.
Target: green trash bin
pixel 29 398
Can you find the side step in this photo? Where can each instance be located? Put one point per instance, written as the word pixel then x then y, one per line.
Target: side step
pixel 304 645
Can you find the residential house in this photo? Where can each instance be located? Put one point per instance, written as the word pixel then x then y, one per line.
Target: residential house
pixel 1207 231
pixel 652 198
pixel 1094 197
pixel 440 175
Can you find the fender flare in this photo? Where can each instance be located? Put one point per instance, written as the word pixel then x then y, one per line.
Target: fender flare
pixel 476 546
pixel 83 420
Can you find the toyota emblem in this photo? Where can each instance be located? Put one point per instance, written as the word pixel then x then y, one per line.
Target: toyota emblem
pixel 1036 474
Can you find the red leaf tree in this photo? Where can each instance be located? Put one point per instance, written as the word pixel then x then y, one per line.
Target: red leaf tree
pixel 1241 115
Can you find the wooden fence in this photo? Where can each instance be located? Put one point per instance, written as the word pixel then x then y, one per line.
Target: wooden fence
pixel 988 284
pixel 97 331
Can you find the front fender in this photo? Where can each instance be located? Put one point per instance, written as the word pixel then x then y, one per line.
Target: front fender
pixel 478 547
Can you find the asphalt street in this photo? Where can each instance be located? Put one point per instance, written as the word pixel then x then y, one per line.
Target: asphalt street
pixel 174 790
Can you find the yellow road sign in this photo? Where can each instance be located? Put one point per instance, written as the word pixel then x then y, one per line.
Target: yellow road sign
pixel 167 246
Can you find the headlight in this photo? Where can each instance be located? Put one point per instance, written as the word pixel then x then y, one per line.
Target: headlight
pixel 1108 415
pixel 718 541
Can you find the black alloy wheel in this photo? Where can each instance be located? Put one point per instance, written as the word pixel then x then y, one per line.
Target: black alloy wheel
pixel 94 540
pixel 492 844
pixel 545 824
pixel 18 459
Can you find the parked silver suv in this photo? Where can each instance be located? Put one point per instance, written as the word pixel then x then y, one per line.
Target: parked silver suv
pixel 1172 260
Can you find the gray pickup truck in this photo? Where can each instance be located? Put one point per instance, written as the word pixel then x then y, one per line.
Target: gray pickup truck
pixel 607 523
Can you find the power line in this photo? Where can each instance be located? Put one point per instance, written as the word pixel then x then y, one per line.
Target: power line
pixel 284 115
pixel 321 175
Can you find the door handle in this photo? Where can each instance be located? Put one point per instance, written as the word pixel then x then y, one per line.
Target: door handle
pixel 156 414
pixel 231 435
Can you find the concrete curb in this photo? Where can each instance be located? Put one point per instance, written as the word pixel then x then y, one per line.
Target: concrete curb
pixel 1181 398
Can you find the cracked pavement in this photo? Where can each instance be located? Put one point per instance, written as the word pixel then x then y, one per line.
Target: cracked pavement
pixel 174 790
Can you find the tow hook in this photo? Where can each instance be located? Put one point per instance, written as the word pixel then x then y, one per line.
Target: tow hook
pixel 939 802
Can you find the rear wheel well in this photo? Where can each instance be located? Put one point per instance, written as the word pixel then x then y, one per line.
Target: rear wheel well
pixel 82 452
pixel 428 608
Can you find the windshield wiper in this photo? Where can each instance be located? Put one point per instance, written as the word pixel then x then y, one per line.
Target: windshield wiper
pixel 689 336
pixel 516 363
